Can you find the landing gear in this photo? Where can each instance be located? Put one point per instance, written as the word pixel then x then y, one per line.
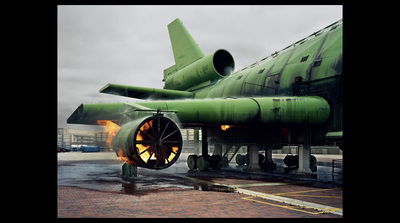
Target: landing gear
pixel 264 162
pixel 192 162
pixel 203 162
pixel 244 159
pixel 292 162
pixel 215 162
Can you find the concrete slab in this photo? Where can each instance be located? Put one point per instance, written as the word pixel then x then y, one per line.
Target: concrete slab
pixel 92 186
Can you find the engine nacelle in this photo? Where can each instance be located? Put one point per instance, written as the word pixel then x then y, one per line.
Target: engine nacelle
pixel 153 142
pixel 214 66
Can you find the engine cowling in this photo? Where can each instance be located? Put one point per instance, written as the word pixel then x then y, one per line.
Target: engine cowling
pixel 214 66
pixel 153 142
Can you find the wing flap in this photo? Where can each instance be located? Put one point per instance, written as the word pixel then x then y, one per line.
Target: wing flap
pixel 90 113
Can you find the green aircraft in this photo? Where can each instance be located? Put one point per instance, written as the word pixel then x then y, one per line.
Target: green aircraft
pixel 292 97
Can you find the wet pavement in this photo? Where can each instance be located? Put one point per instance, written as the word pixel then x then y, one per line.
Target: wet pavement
pixel 91 185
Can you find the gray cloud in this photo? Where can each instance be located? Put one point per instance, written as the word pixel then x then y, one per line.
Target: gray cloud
pixel 130 44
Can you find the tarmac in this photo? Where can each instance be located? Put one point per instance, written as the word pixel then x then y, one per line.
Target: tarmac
pixel 90 185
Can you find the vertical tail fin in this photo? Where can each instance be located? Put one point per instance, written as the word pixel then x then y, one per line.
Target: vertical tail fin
pixel 185 49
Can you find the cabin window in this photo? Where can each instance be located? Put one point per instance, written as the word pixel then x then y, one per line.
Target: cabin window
pixel 304 58
pixel 262 70
pixel 239 77
pixel 317 62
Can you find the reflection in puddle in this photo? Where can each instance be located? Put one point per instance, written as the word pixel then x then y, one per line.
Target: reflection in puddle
pixel 218 188
pixel 129 188
pixel 140 189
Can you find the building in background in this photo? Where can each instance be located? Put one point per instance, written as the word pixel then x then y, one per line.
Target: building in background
pixel 73 139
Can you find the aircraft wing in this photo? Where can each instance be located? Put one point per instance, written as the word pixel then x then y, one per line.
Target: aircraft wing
pixel 90 113
pixel 241 111
pixel 144 92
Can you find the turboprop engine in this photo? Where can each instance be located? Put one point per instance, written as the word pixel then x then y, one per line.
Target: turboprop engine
pixel 153 142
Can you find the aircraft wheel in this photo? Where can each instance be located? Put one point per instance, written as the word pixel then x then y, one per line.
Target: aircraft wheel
pixel 240 160
pixel 291 160
pixel 191 162
pixel 216 162
pixel 203 163
pixel 313 161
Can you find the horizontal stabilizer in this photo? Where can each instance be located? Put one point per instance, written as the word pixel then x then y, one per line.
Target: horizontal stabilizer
pixel 144 92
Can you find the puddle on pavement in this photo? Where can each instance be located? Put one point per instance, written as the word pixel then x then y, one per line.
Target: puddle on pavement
pixel 106 176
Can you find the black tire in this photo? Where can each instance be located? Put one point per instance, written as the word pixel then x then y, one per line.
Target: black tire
pixel 191 162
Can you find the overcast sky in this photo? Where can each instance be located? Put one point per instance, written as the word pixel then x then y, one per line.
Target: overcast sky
pixel 130 44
